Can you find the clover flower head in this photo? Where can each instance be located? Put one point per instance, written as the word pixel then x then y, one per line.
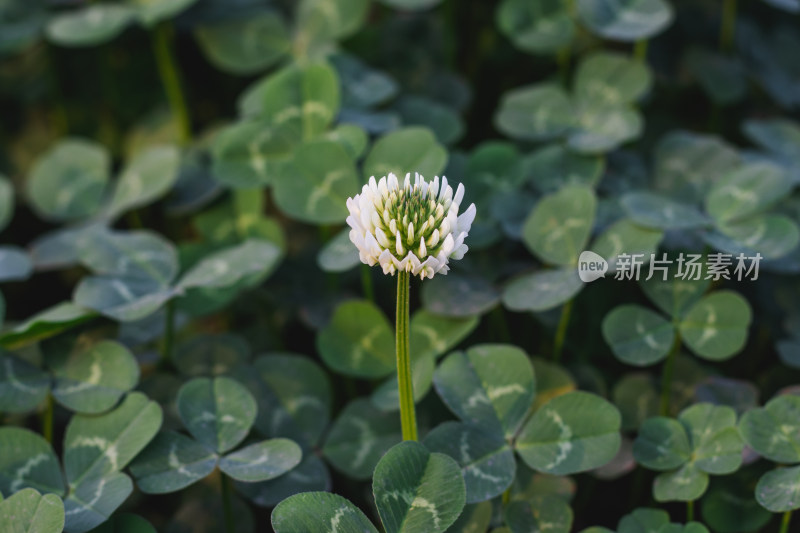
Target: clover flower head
pixel 413 227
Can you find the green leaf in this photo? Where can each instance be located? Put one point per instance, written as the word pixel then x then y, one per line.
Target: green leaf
pixel 45 324
pixel 330 19
pixel 319 511
pixel 170 463
pixel 211 355
pixel 125 523
pixel 294 395
pixel 603 127
pixel 314 186
pixel 542 290
pixel 339 254
pixel 535 113
pixel 94 500
pixel 359 437
pixel 15 264
pixel 553 166
pixel 656 211
pixel 490 386
pixel 22 386
pixel 308 476
pixel 27 511
pixel 723 78
pixel 715 328
pixel 773 236
pixel 558 228
pixel 353 138
pixel 90 25
pixel 97 445
pixel 231 265
pixel 386 396
pixel 774 430
pixel 134 255
pixel 688 164
pixel 245 45
pixel 636 398
pixel 411 5
pixel 91 379
pixel 643 520
pixel 245 154
pixel 262 461
pixel 411 149
pixel 572 433
pixel 626 20
pixel 779 490
pixel 747 191
pixel 69 180
pixel 445 123
pixel 662 444
pixel 123 299
pixel 716 443
pixel 474 518
pixel 358 341
pixel 611 79
pixel 218 412
pixel 625 237
pixel 777 136
pixel 486 461
pixel 688 483
pixel 150 12
pixel 732 509
pixel 28 461
pixel 674 295
pixel 146 178
pixel 458 295
pixel 303 99
pixel 416 490
pixel 431 335
pixel 539 27
pixel 543 514
pixel 638 336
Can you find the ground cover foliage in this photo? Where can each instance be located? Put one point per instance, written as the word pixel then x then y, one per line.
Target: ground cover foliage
pixel 190 343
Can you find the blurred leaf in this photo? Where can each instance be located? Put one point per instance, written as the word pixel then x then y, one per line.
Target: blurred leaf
pixel 69 180
pixel 552 167
pixel 778 490
pixel 358 341
pixel 535 113
pixel 130 255
pixel 626 20
pixel 15 264
pixel 90 25
pixel 475 518
pixel 29 511
pixel 656 211
pixel 746 191
pixel 231 265
pixel 246 153
pixel 47 323
pixel 542 290
pixel 125 523
pixel 28 461
pixel 458 295
pixel 416 490
pixel 774 430
pixel 146 178
pixel 330 19
pixel 716 327
pixel 603 127
pixel 611 79
pixel 638 336
pixel 445 123
pixel 643 520
pixel 539 26
pixel 150 12
pixel 411 149
pixel 411 5
pixel 339 254
pixel 363 87
pixel 548 514
pixel 92 501
pixel 210 355
pixel 23 386
pixel 245 45
pixel 309 476
pixel 722 78
pixel 91 379
pixel 625 237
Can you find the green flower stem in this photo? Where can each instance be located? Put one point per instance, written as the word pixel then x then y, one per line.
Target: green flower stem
pixel 408 417
pixel 787 517
pixel 227 507
pixel 690 511
pixel 48 419
pixel 666 380
pixel 728 26
pixel 366 283
pixel 163 46
pixel 640 50
pixel 561 330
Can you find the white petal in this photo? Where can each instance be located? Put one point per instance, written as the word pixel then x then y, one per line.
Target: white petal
pixel 466 219
pixel 422 250
pixel 448 244
pixel 382 239
pixel 399 245
pixel 459 195
pixel 460 251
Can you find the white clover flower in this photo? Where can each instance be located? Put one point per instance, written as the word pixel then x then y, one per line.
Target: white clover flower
pixel 414 228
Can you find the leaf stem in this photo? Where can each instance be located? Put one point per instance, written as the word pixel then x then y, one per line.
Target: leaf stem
pixel 787 517
pixel 690 511
pixel 408 416
pixel 728 26
pixel 164 49
pixel 169 333
pixel 366 283
pixel 227 507
pixel 561 330
pixel 666 379
pixel 48 419
pixel 640 50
